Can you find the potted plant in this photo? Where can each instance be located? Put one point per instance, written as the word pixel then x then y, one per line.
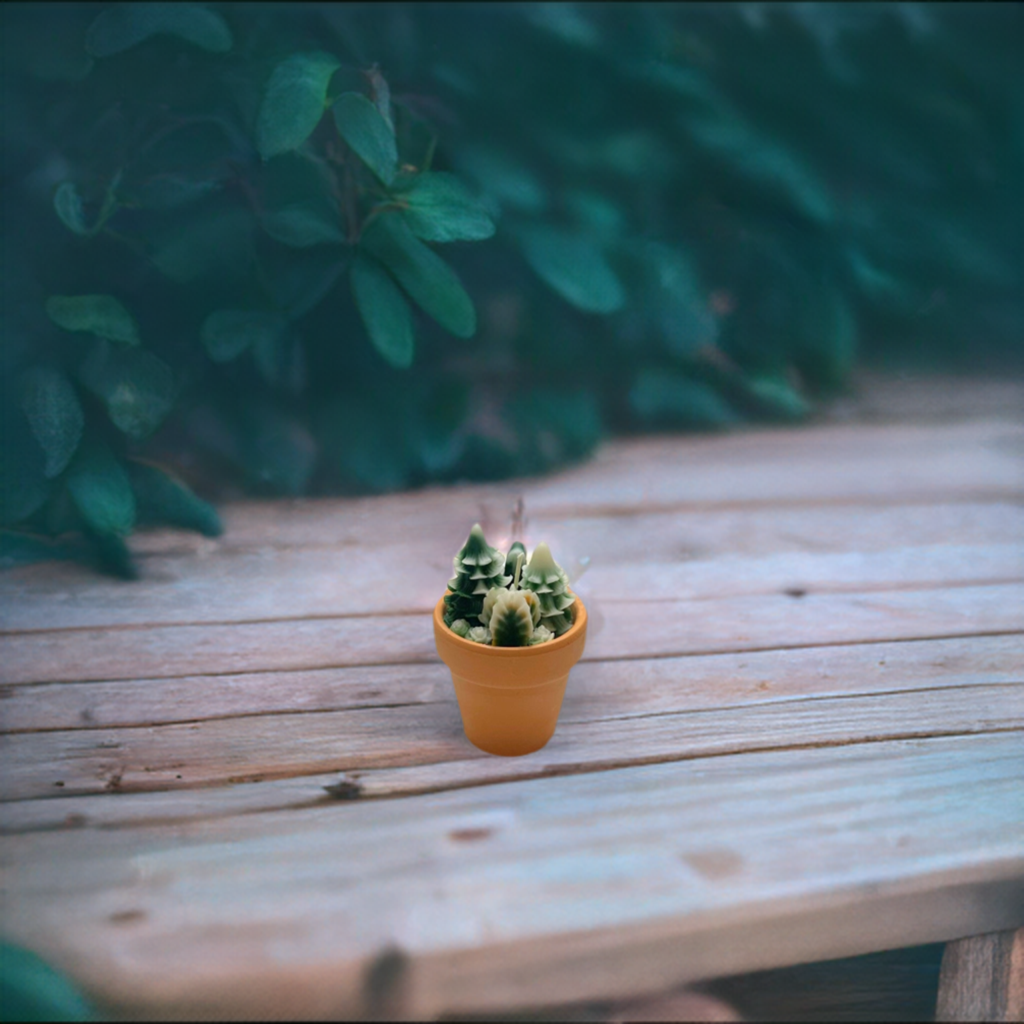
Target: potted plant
pixel 510 629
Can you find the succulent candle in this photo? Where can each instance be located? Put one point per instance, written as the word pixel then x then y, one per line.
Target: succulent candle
pixel 507 600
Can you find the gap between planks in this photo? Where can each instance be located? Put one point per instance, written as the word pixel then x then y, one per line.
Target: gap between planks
pixel 415 749
pixel 597 688
pixel 675 558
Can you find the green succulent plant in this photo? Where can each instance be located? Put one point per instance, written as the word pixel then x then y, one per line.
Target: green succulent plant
pixel 528 605
pixel 544 577
pixel 478 568
pixel 511 618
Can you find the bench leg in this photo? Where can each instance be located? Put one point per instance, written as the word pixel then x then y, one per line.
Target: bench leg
pixel 982 979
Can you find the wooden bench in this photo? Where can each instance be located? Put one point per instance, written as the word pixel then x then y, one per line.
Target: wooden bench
pixel 239 787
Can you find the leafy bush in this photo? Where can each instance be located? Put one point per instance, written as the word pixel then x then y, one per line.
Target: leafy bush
pixel 254 241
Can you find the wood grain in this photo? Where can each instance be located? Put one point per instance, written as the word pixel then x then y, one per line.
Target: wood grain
pixel 629 630
pixel 798 733
pixel 982 979
pixel 664 561
pixel 425 749
pixel 610 884
pixel 597 689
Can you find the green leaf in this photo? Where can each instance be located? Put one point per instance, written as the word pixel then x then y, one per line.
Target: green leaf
pixel 825 347
pixel 68 204
pixel 669 399
pixel 71 209
pixel 137 387
pixel 743 154
pixel 300 226
pixel 672 302
pixel 211 246
pixel 299 280
pixel 298 207
pixel 163 498
pixel 293 102
pixel 776 396
pixel 502 177
pixel 227 333
pixel 113 554
pixel 32 990
pixel 18 548
pixel 54 414
pixel 430 282
pixel 100 490
pixel 281 360
pixel 439 208
pixel 384 310
pixel 371 138
pixel 125 25
pixel 23 484
pixel 574 268
pixel 101 315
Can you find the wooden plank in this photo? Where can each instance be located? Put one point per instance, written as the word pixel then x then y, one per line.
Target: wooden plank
pixel 754 475
pixel 864 464
pixel 660 562
pixel 597 689
pixel 425 748
pixel 595 886
pixel 982 978
pixel 620 630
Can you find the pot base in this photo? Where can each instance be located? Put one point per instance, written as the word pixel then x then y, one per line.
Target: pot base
pixel 509 722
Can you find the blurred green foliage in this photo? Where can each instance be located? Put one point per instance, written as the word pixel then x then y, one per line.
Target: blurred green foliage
pixel 334 248
pixel 32 990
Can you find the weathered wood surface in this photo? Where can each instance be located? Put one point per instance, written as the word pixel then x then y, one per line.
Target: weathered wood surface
pixel 982 979
pixel 797 733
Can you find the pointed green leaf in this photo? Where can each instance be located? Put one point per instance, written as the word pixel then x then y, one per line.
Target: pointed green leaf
pixel 227 333
pixel 776 396
pixel 293 102
pixel 669 399
pixel 101 315
pixel 384 310
pixel 137 387
pixel 100 490
pixel 162 497
pixel 55 415
pixel 574 268
pixel 113 554
pixel 124 25
pixel 68 204
pixel 371 138
pixel 430 282
pixel 439 208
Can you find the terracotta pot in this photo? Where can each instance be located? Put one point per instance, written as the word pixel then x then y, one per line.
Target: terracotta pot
pixel 510 696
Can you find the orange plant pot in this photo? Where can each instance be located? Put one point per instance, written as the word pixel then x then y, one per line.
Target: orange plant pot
pixel 510 697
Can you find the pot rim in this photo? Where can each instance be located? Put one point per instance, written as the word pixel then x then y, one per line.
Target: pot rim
pixel 579 621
